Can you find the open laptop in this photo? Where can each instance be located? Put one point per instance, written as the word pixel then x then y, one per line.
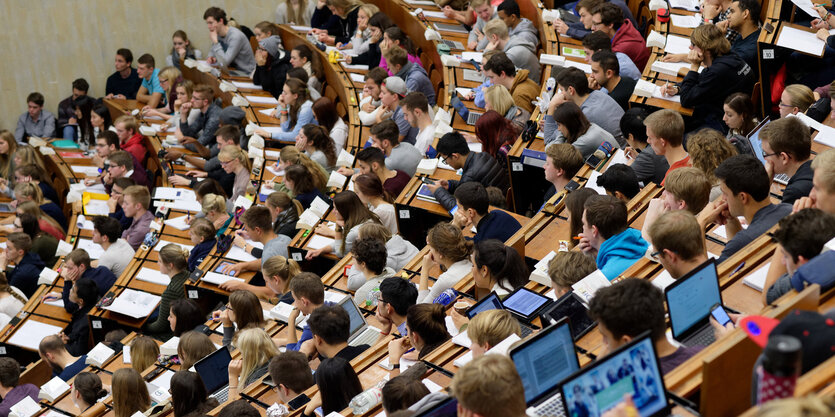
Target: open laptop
pixel 214 371
pixel 523 304
pixel 470 117
pixel 571 306
pixel 756 144
pixel 543 362
pixel 632 369
pixel 690 300
pixel 453 44
pixel 361 332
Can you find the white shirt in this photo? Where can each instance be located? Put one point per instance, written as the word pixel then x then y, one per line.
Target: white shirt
pixel 339 134
pixel 117 257
pixel 446 280
pixel 424 139
pixel 385 212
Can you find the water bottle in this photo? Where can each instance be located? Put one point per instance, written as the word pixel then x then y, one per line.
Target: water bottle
pixel 777 375
pixel 373 296
pixel 367 399
pixel 550 86
pixel 446 297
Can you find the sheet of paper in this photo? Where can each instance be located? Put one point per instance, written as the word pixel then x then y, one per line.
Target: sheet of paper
pixel 683 21
pixel 217 279
pixel 266 112
pixel 421 2
pixel 31 332
pixel 272 129
pixel 677 44
pixel 136 304
pixel 619 157
pixel 239 254
pixel 162 243
pixel 96 208
pixel 300 28
pixel 592 183
pixel 806 6
pixel 473 75
pixel 470 55
pixel 437 15
pixel 172 193
pixel 246 84
pixel 192 206
pixel 55 303
pixel 658 94
pixel 357 78
pixel 359 67
pixel 178 223
pixel 579 65
pixel 153 276
pixel 89 171
pixel 692 5
pixel 261 100
pixel 800 40
pixel 126 354
pixel 663 280
pixel 464 92
pixel 319 242
pixel 93 249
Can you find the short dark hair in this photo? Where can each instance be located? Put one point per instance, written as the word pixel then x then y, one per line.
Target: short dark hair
pixel 81 84
pixel 372 253
pixel 216 13
pixel 36 98
pixel 597 41
pixel 331 323
pixel 9 372
pixel 574 77
pixel 239 408
pixel 805 233
pixel 87 291
pixel 473 195
pixel 370 155
pixel 292 370
pixel 789 135
pixel 452 142
pixel 387 130
pixel 147 60
pixel 620 177
pixel 607 213
pixel 377 74
pixel 400 392
pixel 607 61
pixel 308 285
pixel 229 132
pixel 744 173
pixel 415 100
pixel 500 63
pixel 753 6
pixel 126 54
pixel 610 14
pixel 110 138
pixel 632 122
pixel 629 308
pixel 510 8
pixel 258 216
pixel 399 293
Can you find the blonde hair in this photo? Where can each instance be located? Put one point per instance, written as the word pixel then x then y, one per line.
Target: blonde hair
pixel 490 386
pixel 346 5
pixel 499 98
pixel 678 231
pixel 707 149
pixel 193 346
pixel 824 167
pixel 496 27
pixel 214 202
pixel 129 122
pixel 369 9
pixel 230 152
pixel 175 255
pixel 566 268
pixel 667 124
pixel 294 156
pixel 130 394
pixel 6 158
pixel 29 190
pixel 801 96
pixel 291 12
pixel 281 267
pixel 256 350
pixel 691 185
pixel 492 326
pixel 172 74
pixel 143 353
pixel 139 194
pixel 374 231
pixel 28 155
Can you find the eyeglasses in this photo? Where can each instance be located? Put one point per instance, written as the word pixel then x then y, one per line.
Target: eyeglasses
pixel 224 163
pixel 655 255
pixel 784 105
pixel 766 155
pixel 163 80
pixel 445 158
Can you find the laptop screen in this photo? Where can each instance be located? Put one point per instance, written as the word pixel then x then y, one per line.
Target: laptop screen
pixel 570 306
pixel 545 360
pixel 756 142
pixel 600 386
pixel 214 369
pixel 357 321
pixel 690 298
pixel 490 302
pixel 459 106
pixel 524 302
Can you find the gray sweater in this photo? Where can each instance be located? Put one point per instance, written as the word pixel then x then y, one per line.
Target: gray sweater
pixel 404 157
pixel 599 108
pixel 522 52
pixel 234 50
pixel 589 141
pixel 399 252
pixel 479 24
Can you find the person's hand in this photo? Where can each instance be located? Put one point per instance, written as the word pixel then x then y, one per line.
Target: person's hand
pixel 385 321
pixel 821 11
pixel 723 25
pixel 674 58
pixel 695 58
pixel 428 262
pixel 710 11
pixel 51 297
pixel 239 241
pixel 479 34
pixel 560 26
pixel 556 100
pixel 712 213
pixel 345 171
pixel 294 315
pixel 472 45
pixel 324 230
pixel 120 97
pixel 669 90
pixel 181 51
pixel 320 4
pixel 491 46
pixel 313 253
pixel 173 155
pixel 186 140
pixel 348 59
pixel 458 319
pixel 263 133
pixel 817 24
pixel 803 203
pixel 822 34
pixel 630 152
pixel 72 121
pixel 585 244
pixel 64 337
pixel 213 36
pixel 211 60
pixel 449 13
pixel 179 180
pixel 109 96
pixel 444 183
pixel 112 203
pixel 368 107
pixel 235 367
pixel 433 187
pixel 593 83
pixel 625 408
pixel 301 142
pixel 719 330
pixel 222 316
pixel 460 220
pixel 260 57
pixel 186 107
pixel 233 269
pixel 197 174
pixel 90 182
pixel 397 348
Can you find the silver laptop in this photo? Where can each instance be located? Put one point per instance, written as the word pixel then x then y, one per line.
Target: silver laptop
pixel 453 44
pixel 361 332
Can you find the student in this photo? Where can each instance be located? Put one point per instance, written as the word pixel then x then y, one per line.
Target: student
pixel 43 244
pixel 499 99
pixel 181 50
pixel 193 346
pixel 400 156
pixel 490 387
pixel 35 121
pixel 744 19
pixel 745 185
pixel 678 241
pixel 256 349
pixel 519 27
pixel 426 331
pixel 796 98
pixel 294 12
pixel 124 83
pixel 242 312
pixel 397 295
pixel 130 140
pixel 491 327
pixel 417 113
pixel 8 146
pixel 484 12
pixel 285 212
pixel 46 223
pixel 562 162
pixel 450 252
pixel 314 140
pixel 173 261
pixel 258 225
pixel 67 121
pixel 86 391
pixel 130 393
pixel 100 119
pixel 271 61
pixel 29 191
pixel 686 189
pixel 567 123
pixel 473 205
pixel 605 71
pixel 230 47
pixel 82 108
pixel 120 164
pixel 599 41
pixel 401 392
pixel 519 48
pixel 394 36
pixel 597 106
pixel 214 210
pixel 369 259
pixel 707 149
pixel 331 328
pixel 150 92
pixel 787 146
pixel 11 392
pixel 607 237
pixel 725 73
pixel 137 199
pixel 392 91
pixel 12 300
pixel 143 353
pixel 202 233
pixel 294 110
pixel 619 181
pixel 84 294
pixel 477 95
pixel 739 115
pixel 495 132
pixel 338 383
pixel 359 41
pixel 369 104
pixel 64 365
pixel 413 74
pixel 278 273
pixel 822 195
pixel 189 396
pixel 308 295
pixel 477 167
pixel 169 79
pixel 234 160
pixel 184 315
pixel 301 56
pixel 203 129
pixel 371 161
pixel 298 180
pixel 291 374
pixel 498 268
pixel 566 269
pixel 324 111
pixel 106 144
pixel 35 174
pixel 399 251
pixel 648 166
pixel 335 23
pixel 609 18
pixel 579 30
pixel 665 134
pixel 370 191
pixel 77 267
pixel 500 70
pixel 289 156
pixel 27 264
pixel 373 55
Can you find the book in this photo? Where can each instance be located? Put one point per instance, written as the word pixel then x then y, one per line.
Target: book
pixel 308 220
pixel 27 407
pixel 153 276
pixel 71 154
pixel 53 389
pixel 169 348
pixel 427 166
pixel 344 159
pixel 217 279
pixel 47 276
pixel 99 355
pixel 336 180
pixel 282 311
pixel 500 349
pixel 756 279
pixel 425 194
pixel 133 303
pixel 533 158
pixel 178 223
pixel 586 287
pixel 31 332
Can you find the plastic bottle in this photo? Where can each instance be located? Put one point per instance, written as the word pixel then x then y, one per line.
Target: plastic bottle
pixel 780 367
pixel 449 295
pixel 367 399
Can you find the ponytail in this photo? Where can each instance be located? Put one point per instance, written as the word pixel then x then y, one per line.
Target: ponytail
pixel 175 255
pixel 428 321
pixel 506 267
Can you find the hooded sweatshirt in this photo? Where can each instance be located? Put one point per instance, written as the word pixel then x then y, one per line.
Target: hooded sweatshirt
pixel 525 29
pixel 620 251
pixel 704 91
pixel 522 52
pixel 25 274
pixel 417 80
pixel 524 90
pixel 400 251
pixel 629 41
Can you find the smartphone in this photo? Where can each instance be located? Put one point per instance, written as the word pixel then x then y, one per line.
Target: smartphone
pixel 427 180
pixel 298 402
pixel 718 312
pixel 572 186
pixel 593 161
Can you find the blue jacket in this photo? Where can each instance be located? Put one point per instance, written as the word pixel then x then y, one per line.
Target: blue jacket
pixel 620 251
pixel 102 276
pixel 417 80
pixel 288 131
pixel 25 274
pixel 199 252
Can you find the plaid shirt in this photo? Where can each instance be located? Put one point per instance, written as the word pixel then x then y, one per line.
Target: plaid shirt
pixel 731 35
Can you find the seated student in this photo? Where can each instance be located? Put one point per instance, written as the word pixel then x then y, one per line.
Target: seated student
pixel 202 234
pixel 84 293
pixel 686 189
pixel 665 134
pixel 308 295
pixel 331 328
pixel 291 374
pixel 607 236
pixel 401 392
pixel 599 41
pixel 630 307
pixel 76 267
pixel 203 129
pixel 500 70
pixel 707 149
pixel 67 122
pixel 678 241
pixel 271 61
pixel 372 161
pixel 725 73
pixel 392 92
pixel 477 95
pixel 397 295
pixel 648 166
pixel 359 39
pixel 285 212
pixel 235 160
pixel 7 165
pixel 240 408
pixel 451 253
pixel 12 392
pixel 278 273
pixel 395 36
pixel 230 47
pixel 399 251
pixel 822 195
pixel 417 112
pixel 370 191
pixel 130 393
pixel 566 269
pixel 242 312
pixel 181 49
pixel 289 156
pixel 43 244
pixel 121 164
pixel 483 11
pixel 137 199
pixel 519 49
pixel 497 267
pixel 144 351
pixel 605 70
pixel 337 22
pixel 562 162
pixel 116 201
pixel 193 346
pixel 324 111
pixel 518 26
pixel 125 81
pixel 620 181
pixel 82 109
pixel 108 143
pixel 609 18
pixel 86 391
pixel 489 386
pixel 12 300
pixel 744 19
pixel 64 365
pixel 256 349
pixel 473 205
pixel 28 191
pixel 477 167
pixel 258 225
pixel 413 74
pixel 787 147
pixel 426 331
pixel 314 140
pixel 337 381
pixel 130 140
pixel 27 264
pixel 400 156
pixel 295 109
pixel 35 121
pixel 207 159
pixel 739 117
pixel 745 184
pixel 46 223
pixel 302 57
pixel 173 261
pixel 567 123
pixel 188 394
pixel 596 105
pixel 36 175
pixel 214 210
pixel 150 92
pixel 299 181
pixel 491 327
pixel 796 98
pixel 370 99
pixel 497 98
pixel 369 259
pixel 184 315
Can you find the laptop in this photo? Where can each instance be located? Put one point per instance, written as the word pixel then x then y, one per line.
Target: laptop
pixel 543 362
pixel 214 371
pixel 756 144
pixel 453 44
pixel 445 408
pixel 470 117
pixel 690 300
pixel 361 332
pixel 632 369
pixel 523 304
pixel 571 306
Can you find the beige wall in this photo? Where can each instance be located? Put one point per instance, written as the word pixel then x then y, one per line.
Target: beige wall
pixel 46 44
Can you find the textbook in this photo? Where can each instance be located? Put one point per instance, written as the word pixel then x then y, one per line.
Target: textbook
pixel 345 159
pixel 27 407
pixel 282 311
pixel 425 194
pixel 136 304
pixel 169 348
pixel 756 279
pixel 217 279
pixel 53 389
pixel 99 355
pixel 427 166
pixel 336 180
pixel 586 287
pixel 153 276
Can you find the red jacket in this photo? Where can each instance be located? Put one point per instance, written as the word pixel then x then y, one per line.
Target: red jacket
pixel 135 146
pixel 629 41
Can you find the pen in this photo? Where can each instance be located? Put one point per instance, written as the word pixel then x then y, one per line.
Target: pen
pixel 576 238
pixel 737 269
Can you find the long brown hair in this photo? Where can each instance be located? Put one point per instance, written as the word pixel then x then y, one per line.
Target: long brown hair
pixel 143 353
pixel 282 200
pixel 353 212
pixel 292 155
pixel 32 208
pixel 247 309
pixel 299 88
pixel 318 137
pixel 294 15
pixel 130 394
pixel 6 158
pixel 569 115
pixel 5 287
pixel 427 320
pixel 574 203
pixel 193 346
pixel 370 185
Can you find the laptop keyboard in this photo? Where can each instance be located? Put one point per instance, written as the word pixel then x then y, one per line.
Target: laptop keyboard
pixel 551 408
pixel 782 179
pixel 367 337
pixel 526 330
pixel 222 395
pixel 454 44
pixel 472 118
pixel 703 337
